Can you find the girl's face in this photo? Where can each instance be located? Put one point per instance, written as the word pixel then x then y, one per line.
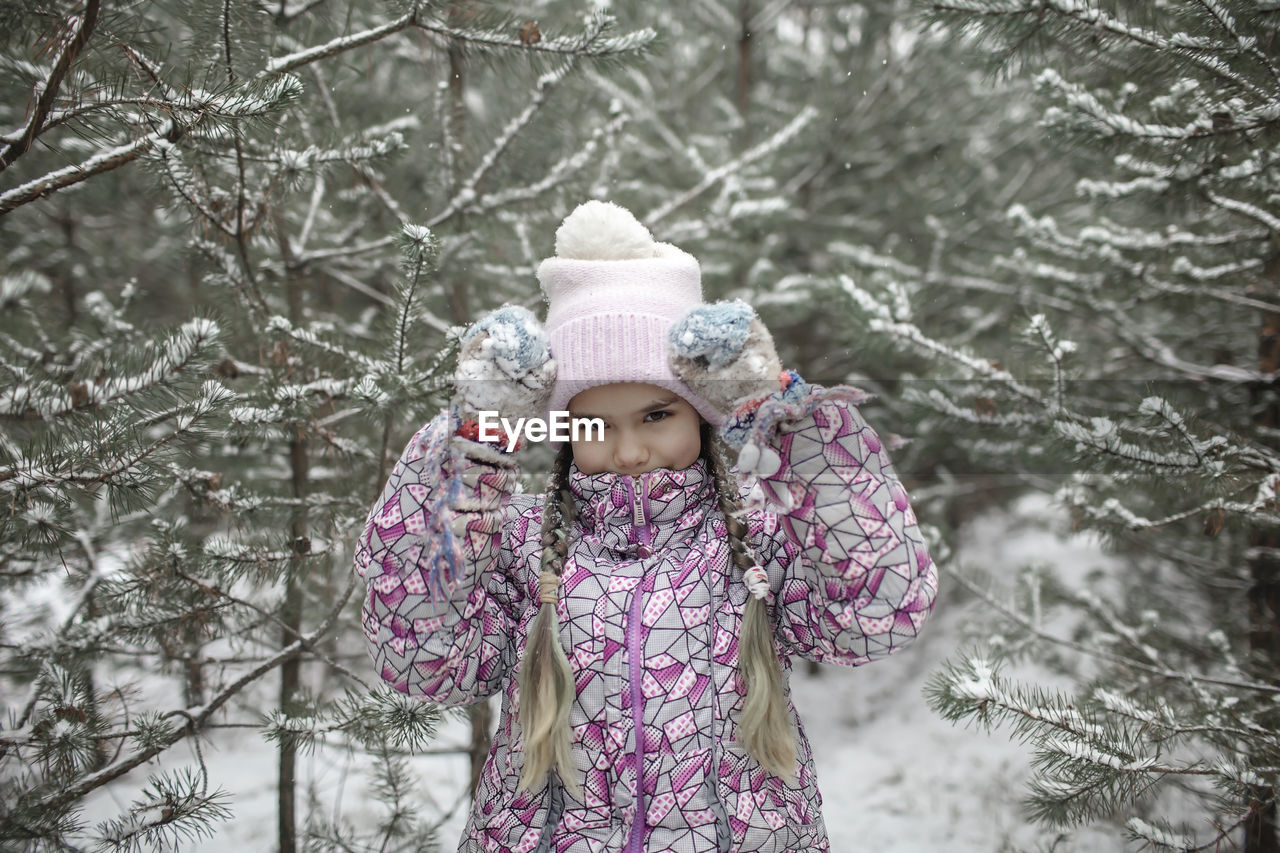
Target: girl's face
pixel 645 427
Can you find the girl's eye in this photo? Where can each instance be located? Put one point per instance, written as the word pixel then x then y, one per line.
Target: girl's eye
pixel 654 417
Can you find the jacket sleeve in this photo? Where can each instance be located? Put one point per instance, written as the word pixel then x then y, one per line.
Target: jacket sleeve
pixel 850 575
pixel 441 601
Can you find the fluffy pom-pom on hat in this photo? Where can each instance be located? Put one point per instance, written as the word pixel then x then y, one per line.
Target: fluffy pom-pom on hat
pixel 612 294
pixel 603 231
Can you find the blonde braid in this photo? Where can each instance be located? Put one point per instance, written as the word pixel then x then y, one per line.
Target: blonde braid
pixel 546 682
pixel 766 726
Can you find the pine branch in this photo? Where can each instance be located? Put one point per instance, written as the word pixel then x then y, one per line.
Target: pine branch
pixel 555 176
pixel 171 810
pixel 176 355
pixel 1088 761
pixel 47 91
pixel 638 105
pixel 870 259
pixel 230 267
pixel 197 718
pixel 19 733
pixel 311 338
pixel 1247 45
pixel 592 42
pixel 1113 123
pixel 465 196
pixel 269 617
pixel 358 286
pixel 1214 843
pixel 1094 23
pixel 185 186
pixel 99 163
pixel 114 472
pixel 293 61
pixel 715 176
pixel 978 416
pixel 1246 209
pixel 883 320
pixel 243 102
pixel 1260 510
pixel 1158 352
pixel 1119 660
pixel 1121 706
pixel 1102 436
pixel 347 251
pixel 284 13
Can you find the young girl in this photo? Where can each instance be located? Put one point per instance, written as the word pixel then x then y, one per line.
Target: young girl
pixel 641 617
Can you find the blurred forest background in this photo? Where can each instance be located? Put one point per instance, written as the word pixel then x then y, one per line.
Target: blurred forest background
pixel 240 238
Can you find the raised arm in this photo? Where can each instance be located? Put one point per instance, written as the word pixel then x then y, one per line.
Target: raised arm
pixel 851 577
pixel 439 609
pixel 443 601
pixel 847 569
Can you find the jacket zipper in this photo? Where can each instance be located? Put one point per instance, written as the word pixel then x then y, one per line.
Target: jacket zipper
pixel 639 507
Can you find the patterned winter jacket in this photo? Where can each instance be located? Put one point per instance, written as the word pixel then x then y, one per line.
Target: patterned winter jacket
pixel 650 612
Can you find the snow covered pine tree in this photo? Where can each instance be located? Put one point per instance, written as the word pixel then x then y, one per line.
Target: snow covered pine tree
pixel 1149 408
pixel 204 208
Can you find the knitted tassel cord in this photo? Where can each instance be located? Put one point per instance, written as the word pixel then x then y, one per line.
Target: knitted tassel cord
pixel 437 444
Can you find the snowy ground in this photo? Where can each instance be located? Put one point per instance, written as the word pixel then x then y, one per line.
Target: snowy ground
pixel 895 777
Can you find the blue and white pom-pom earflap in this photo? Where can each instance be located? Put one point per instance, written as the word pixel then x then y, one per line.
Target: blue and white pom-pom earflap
pixel 717 332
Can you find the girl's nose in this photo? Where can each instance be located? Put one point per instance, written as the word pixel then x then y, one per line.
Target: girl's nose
pixel 631 453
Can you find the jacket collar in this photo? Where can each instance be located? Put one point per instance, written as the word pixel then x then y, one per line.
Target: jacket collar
pixel 671 503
